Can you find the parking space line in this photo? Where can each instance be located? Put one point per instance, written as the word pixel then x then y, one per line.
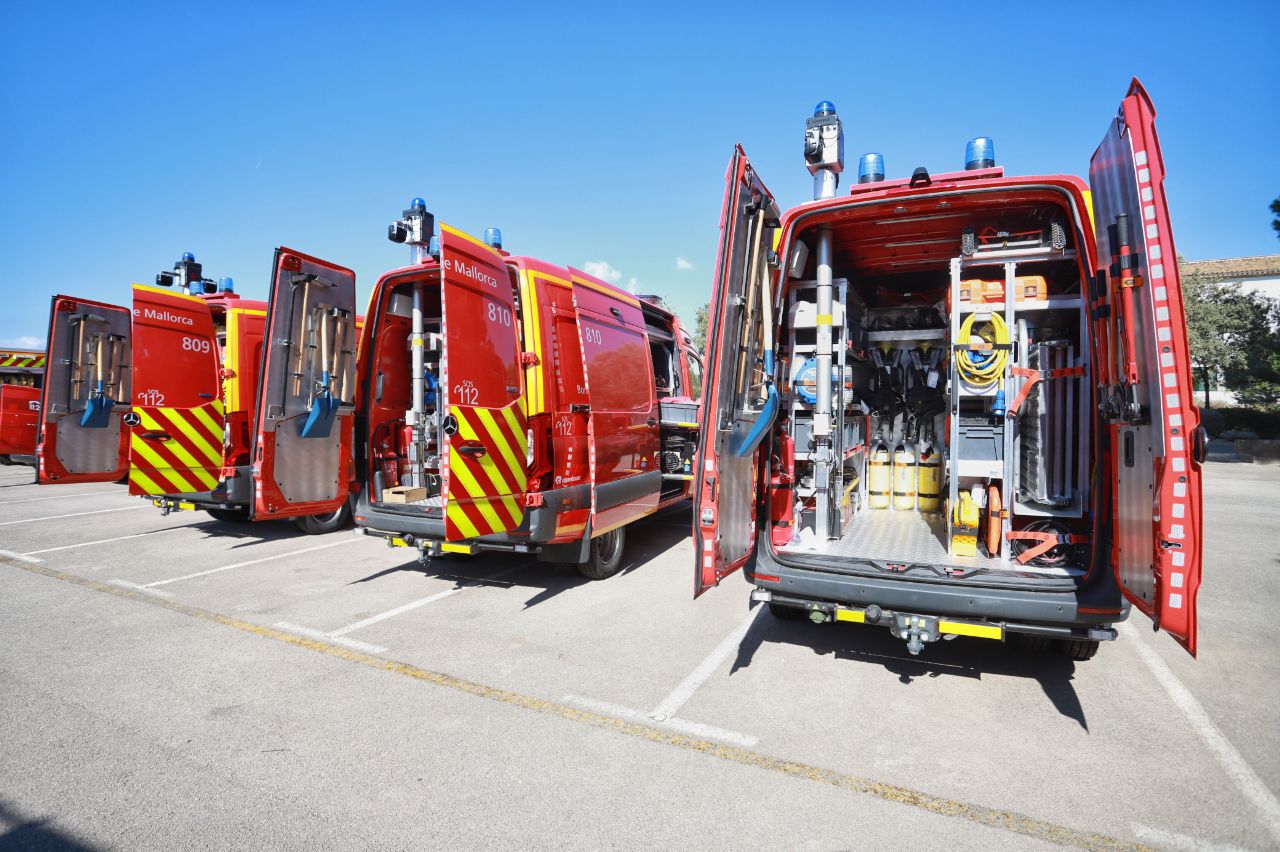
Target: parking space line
pixel 1237 768
pixel 1172 840
pixel 682 693
pixel 25 557
pixel 103 541
pixel 125 584
pixel 250 562
pixel 1015 823
pixel 353 644
pixel 60 496
pixel 72 515
pixel 682 726
pixel 412 605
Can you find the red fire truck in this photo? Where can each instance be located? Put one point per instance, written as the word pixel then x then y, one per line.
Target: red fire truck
pixel 21 375
pixel 244 408
pixel 82 436
pixel 511 404
pixel 955 404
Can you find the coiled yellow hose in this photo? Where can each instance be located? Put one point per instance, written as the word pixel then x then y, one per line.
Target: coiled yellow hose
pixel 983 368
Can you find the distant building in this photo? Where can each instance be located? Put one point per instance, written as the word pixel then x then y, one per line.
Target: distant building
pixel 1252 274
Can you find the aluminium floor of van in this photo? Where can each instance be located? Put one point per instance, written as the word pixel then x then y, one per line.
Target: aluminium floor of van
pixel 889 535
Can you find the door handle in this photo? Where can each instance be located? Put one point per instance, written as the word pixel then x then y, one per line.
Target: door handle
pixel 472 449
pixel 156 436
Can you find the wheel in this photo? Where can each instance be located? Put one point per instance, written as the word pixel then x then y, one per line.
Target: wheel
pixel 230 516
pixel 4 460
pixel 782 612
pixel 1078 649
pixel 606 555
pixel 320 524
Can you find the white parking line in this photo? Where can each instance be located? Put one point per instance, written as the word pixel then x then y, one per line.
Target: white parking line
pixel 682 693
pixel 1172 840
pixel 72 515
pixel 125 584
pixel 25 557
pixel 680 726
pixel 345 540
pixel 1237 768
pixel 353 644
pixel 391 613
pixel 60 496
pixel 102 541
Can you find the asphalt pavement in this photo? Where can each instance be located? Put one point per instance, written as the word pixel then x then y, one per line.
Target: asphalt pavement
pixel 178 682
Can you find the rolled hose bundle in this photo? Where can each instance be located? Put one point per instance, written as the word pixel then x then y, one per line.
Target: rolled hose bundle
pixel 982 368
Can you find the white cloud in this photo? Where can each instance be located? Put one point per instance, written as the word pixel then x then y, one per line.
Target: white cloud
pixel 27 342
pixel 683 265
pixel 633 286
pixel 602 270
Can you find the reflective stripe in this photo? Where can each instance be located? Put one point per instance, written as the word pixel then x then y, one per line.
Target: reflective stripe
pixel 138 445
pixel 961 628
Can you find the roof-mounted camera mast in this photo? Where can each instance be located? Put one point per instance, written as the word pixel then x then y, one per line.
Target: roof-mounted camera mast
pixel 415 228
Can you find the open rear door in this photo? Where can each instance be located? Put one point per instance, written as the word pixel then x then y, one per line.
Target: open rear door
pixel 484 407
pixel 176 445
pixel 1156 442
pixel 86 393
pixel 306 392
pixel 724 527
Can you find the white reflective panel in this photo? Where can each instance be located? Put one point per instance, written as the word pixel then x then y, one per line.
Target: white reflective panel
pixel 1146 193
pixel 1179 510
pixel 1175 601
pixel 1180 489
pixel 1166 359
pixel 1177 579
pixel 1178 558
pixel 1140 157
pixel 1144 176
pixel 1163 333
pixel 1155 250
pixel 1162 314
pixel 1157 270
pixel 1149 212
pixel 1162 295
pixel 1152 231
pixel 1176 531
pixel 1178 463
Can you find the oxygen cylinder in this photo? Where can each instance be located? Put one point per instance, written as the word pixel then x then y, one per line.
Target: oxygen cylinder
pixel 904 478
pixel 929 488
pixel 878 478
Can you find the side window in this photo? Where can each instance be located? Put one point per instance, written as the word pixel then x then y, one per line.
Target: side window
pixel 695 375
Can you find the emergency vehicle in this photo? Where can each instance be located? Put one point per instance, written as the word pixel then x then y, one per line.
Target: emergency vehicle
pixel 21 375
pixel 243 408
pixel 955 404
pixel 84 398
pixel 511 404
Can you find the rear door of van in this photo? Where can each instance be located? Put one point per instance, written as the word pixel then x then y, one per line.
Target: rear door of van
pixel 87 372
pixel 1157 445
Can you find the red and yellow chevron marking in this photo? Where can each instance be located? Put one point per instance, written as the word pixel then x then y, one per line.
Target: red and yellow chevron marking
pixel 29 360
pixel 189 461
pixel 486 491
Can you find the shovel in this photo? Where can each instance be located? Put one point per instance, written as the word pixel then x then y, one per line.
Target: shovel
pixel 769 412
pixel 325 405
pixel 97 413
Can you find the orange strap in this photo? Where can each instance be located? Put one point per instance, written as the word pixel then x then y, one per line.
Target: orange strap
pixel 1047 541
pixel 1033 377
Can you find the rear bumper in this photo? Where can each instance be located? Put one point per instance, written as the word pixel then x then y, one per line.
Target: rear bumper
pixel 1098 603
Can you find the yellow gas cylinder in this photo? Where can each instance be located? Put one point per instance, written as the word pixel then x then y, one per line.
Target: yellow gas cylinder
pixel 878 478
pixel 929 488
pixel 904 478
pixel 964 526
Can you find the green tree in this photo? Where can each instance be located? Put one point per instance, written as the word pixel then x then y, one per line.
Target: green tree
pixel 1224 324
pixel 700 328
pixel 1275 219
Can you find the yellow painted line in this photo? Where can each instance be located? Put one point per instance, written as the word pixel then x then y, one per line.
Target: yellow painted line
pixel 961 628
pixel 475 242
pixel 857 616
pixel 1010 821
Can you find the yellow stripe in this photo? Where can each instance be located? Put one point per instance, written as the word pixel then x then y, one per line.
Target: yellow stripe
pixel 504 446
pixel 461 521
pixel 213 428
pixel 448 229
pixel 450 547
pixel 138 445
pixel 857 616
pixel 178 419
pixel 529 305
pixel 468 431
pixel 539 369
pixel 961 628
pixel 194 467
pixel 144 482
pixel 608 291
pixel 510 503
pixel 461 475
pixel 173 294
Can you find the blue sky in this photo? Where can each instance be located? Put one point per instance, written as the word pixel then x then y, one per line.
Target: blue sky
pixel 592 134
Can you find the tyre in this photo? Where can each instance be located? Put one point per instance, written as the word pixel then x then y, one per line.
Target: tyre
pixel 230 516
pixel 1078 649
pixel 4 460
pixel 782 612
pixel 320 524
pixel 605 558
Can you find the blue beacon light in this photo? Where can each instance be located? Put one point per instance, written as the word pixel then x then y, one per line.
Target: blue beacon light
pixel 871 168
pixel 493 237
pixel 980 153
pixel 824 108
pixel 226 285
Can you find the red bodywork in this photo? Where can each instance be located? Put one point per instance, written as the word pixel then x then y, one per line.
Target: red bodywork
pixel 21 376
pixel 1149 504
pixel 549 377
